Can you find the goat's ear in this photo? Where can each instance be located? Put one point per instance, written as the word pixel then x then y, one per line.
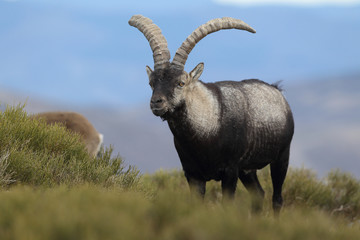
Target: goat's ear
pixel 197 71
pixel 148 71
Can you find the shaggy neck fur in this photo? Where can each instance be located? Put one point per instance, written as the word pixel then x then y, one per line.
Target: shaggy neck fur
pixel 202 110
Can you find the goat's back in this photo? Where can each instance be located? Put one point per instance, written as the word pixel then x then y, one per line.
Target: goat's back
pixel 259 102
pixel 77 123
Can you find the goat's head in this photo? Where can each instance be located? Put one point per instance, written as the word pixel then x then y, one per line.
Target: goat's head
pixel 170 86
pixel 169 82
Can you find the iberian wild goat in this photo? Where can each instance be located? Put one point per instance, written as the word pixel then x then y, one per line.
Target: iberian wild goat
pixel 224 130
pixel 76 123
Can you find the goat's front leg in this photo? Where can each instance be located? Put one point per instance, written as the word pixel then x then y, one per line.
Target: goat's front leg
pixel 228 184
pixel 197 187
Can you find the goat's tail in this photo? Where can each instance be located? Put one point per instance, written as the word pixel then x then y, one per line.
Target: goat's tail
pixel 278 85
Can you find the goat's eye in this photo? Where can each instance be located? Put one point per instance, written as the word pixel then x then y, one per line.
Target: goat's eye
pixel 151 85
pixel 181 84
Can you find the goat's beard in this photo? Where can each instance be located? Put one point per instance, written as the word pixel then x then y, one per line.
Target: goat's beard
pixel 161 112
pixel 166 114
pixel 172 112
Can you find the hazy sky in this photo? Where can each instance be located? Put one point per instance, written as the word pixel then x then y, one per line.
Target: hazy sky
pixel 115 3
pixel 291 2
pixel 47 46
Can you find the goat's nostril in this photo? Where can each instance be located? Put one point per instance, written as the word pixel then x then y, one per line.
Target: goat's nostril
pixel 157 100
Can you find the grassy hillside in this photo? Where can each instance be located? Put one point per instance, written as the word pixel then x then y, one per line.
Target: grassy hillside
pixel 34 153
pixel 51 189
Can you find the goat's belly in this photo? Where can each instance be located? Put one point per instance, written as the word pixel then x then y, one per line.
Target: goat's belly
pixel 208 168
pixel 258 158
pixel 254 164
pixel 199 170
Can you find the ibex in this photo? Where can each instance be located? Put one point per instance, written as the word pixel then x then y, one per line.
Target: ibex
pixel 224 130
pixel 76 123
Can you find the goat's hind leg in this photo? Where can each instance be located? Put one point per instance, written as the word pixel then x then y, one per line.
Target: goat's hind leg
pixel 278 173
pixel 252 184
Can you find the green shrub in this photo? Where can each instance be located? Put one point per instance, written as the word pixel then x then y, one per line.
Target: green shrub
pixel 338 193
pixel 303 188
pixel 79 212
pixel 93 212
pixel 35 153
pixel 345 194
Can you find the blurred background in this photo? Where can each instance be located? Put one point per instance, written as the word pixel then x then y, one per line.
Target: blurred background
pixel 83 56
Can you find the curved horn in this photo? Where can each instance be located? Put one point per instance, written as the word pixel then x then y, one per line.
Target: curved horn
pixel 157 41
pixel 211 26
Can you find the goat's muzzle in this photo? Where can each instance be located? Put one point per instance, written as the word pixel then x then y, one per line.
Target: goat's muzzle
pixel 158 105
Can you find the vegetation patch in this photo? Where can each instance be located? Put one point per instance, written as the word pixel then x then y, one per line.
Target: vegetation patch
pixel 93 212
pixel 50 188
pixel 35 153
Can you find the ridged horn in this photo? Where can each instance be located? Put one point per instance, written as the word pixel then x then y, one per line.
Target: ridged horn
pixel 157 41
pixel 211 26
